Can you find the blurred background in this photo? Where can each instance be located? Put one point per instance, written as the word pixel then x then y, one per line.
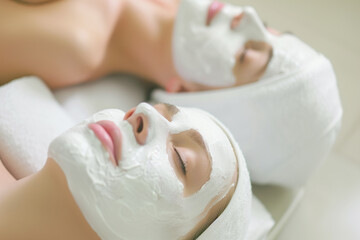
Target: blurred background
pixel 330 208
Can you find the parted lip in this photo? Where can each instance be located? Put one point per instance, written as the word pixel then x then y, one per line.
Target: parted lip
pixel 110 136
pixel 214 9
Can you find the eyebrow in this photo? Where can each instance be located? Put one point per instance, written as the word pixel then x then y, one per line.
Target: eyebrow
pixel 197 138
pixel 171 110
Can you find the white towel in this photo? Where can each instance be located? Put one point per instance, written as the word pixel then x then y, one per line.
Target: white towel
pixel 261 221
pixel 30 118
pixel 285 125
pixel 233 223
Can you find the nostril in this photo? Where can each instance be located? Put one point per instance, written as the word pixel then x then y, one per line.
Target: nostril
pixel 236 20
pixel 140 124
pixel 129 113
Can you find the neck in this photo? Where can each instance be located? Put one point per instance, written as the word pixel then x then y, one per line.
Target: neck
pixel 41 207
pixel 141 44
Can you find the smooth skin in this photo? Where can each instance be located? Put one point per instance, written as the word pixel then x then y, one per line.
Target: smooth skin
pixel 63 42
pixel 67 42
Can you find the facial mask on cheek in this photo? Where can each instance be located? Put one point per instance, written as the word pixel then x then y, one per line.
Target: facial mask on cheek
pixel 206 54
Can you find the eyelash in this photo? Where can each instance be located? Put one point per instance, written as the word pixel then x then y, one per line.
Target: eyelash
pixel 183 164
pixel 242 56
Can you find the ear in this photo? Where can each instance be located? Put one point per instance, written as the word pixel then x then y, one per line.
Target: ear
pixel 174 85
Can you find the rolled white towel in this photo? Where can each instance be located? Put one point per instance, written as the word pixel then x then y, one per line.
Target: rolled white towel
pixel 30 118
pixel 261 221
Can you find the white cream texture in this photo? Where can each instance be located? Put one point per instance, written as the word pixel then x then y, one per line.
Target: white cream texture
pixel 141 198
pixel 206 54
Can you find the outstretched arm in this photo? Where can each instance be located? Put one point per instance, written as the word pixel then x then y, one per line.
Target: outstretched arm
pixel 61 42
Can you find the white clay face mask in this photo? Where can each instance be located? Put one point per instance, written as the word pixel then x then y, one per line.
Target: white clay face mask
pixel 141 198
pixel 206 54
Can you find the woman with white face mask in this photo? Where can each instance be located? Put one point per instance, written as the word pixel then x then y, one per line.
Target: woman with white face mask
pixel 159 172
pixel 162 41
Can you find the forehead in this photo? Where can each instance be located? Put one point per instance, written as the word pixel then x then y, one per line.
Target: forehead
pixel 188 118
pixel 183 119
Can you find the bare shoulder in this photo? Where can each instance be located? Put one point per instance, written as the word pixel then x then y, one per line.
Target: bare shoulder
pixel 60 41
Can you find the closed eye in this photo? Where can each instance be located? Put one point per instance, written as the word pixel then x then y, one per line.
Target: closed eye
pixel 242 56
pixel 182 164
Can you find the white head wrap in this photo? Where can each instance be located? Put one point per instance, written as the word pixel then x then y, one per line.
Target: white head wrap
pixel 284 123
pixel 233 222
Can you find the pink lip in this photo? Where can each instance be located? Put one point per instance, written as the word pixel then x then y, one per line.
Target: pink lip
pixel 214 9
pixel 110 136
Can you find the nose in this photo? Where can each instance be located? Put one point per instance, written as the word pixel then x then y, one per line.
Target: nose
pixel 140 125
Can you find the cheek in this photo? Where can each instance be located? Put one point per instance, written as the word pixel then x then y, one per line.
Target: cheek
pixel 255 59
pixel 260 58
pixel 252 68
pixel 242 73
